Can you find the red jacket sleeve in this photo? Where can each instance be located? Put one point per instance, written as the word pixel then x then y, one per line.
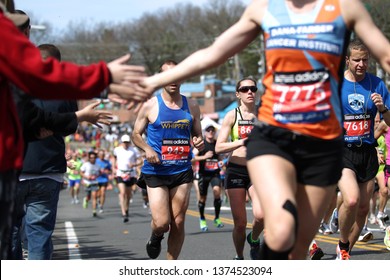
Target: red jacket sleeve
pixel 22 64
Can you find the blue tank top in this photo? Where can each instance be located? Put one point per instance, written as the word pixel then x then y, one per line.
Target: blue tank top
pixel 170 137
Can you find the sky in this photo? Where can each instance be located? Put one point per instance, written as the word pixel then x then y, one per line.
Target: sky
pixel 60 12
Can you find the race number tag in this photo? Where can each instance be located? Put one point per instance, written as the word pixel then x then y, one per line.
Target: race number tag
pixel 175 149
pixel 244 128
pixel 211 164
pixel 301 97
pixel 357 125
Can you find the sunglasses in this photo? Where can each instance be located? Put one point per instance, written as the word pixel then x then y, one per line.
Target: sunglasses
pixel 245 89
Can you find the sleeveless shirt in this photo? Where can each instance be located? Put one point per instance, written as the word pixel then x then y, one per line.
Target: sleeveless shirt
pixel 304 68
pixel 170 137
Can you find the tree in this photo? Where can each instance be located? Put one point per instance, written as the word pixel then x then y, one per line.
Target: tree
pixel 169 34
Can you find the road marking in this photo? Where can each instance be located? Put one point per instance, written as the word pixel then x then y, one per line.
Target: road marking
pixel 323 238
pixel 358 244
pixel 73 242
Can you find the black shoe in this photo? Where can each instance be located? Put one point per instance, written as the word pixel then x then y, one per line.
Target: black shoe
pixel 153 247
pixel 255 247
pixel 125 219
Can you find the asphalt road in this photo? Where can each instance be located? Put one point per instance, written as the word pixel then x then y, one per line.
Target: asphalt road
pixel 78 235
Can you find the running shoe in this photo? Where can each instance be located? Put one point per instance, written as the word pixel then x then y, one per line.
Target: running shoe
pixel 382 218
pixel 25 253
pixel 76 200
pixel 386 240
pixel 255 247
pixel 101 210
pixel 237 258
pixel 94 214
pixel 315 252
pixel 153 247
pixel 365 235
pixel 334 221
pixel 324 229
pixel 218 223
pixel 85 203
pixel 372 219
pixel 203 225
pixel 125 218
pixel 342 254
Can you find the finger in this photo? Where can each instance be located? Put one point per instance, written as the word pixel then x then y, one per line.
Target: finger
pixel 122 59
pixel 128 93
pixel 104 114
pixel 94 104
pixel 131 105
pixel 135 69
pixel 116 98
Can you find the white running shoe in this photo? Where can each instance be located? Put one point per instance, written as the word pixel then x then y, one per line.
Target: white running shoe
pixel 324 229
pixel 365 235
pixel 334 221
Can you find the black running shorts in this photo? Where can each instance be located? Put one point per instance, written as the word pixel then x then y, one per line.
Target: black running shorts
pixel 362 160
pixel 170 181
pixel 317 162
pixel 237 177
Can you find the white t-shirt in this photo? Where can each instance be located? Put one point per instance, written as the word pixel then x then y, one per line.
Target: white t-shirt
pixel 90 169
pixel 125 159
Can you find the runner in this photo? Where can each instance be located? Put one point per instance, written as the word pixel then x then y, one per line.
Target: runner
pixel 237 124
pixel 170 119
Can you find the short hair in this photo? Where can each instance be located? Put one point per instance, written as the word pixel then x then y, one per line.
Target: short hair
pixel 245 79
pixel 356 44
pixel 168 62
pixel 50 50
pixel 91 153
pixel 25 25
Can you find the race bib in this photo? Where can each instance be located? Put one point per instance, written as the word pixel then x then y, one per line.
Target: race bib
pixel 175 149
pixel 357 125
pixel 244 128
pixel 211 164
pixel 302 97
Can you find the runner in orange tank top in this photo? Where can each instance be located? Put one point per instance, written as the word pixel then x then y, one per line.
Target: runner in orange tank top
pixel 295 149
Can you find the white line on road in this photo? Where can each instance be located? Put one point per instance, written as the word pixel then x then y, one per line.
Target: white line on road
pixel 73 242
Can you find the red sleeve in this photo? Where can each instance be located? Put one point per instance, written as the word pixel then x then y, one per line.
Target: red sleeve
pixel 21 63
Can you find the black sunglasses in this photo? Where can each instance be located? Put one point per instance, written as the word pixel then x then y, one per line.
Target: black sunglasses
pixel 247 88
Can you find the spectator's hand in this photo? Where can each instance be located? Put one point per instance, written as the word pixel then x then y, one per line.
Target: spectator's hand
pixel 121 72
pixel 127 92
pixel 124 81
pixel 96 117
